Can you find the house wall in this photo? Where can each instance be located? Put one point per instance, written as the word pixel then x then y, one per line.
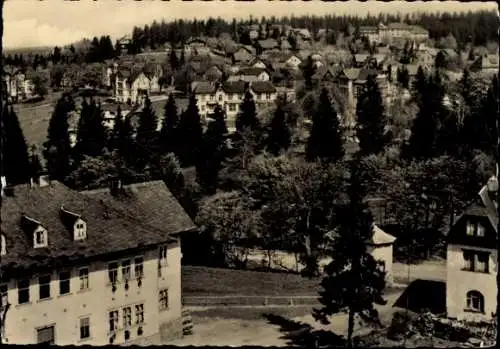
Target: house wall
pixel 384 253
pixel 141 83
pixel 459 282
pixel 64 311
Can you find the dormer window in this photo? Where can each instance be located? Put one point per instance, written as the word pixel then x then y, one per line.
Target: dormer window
pixel 480 230
pixel 40 237
pixel 475 229
pixel 74 223
pixel 470 229
pixel 36 231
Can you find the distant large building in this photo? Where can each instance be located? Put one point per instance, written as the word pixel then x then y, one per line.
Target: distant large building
pixel 91 268
pixel 394 31
pixel 472 259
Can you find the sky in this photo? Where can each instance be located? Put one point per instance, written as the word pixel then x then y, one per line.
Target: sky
pixel 32 23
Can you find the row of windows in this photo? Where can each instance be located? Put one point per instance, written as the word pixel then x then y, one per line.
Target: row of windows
pixel 475 229
pixel 114 318
pixel 262 96
pixel 44 291
pixel 126 275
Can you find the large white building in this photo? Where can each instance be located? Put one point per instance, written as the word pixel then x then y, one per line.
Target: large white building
pixel 91 268
pixel 394 31
pixel 472 260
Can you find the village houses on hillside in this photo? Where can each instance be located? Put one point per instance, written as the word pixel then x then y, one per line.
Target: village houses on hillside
pixel 95 268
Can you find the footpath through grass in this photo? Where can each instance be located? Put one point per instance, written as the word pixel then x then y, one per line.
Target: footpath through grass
pixel 204 281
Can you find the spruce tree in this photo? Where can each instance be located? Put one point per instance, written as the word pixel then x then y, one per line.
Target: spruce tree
pixel 325 140
pixel 280 136
pixel 14 150
pixel 168 134
pixel 419 84
pixel 352 266
pixel 91 131
pixel 423 142
pixel 247 117
pixel 147 134
pixel 213 152
pixel 490 111
pixel 57 150
pixel 190 134
pixel 174 61
pixel 35 163
pixel 403 77
pixel 308 72
pixel 117 128
pixel 371 119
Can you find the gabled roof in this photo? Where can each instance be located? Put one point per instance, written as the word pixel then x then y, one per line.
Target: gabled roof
pixel 146 215
pixel 252 71
pixel 361 57
pixel 262 87
pixel 234 86
pixel 203 87
pixel 380 237
pixel 268 43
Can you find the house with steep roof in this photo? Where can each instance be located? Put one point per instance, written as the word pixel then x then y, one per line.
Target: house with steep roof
pixel 229 96
pixel 250 74
pixel 267 44
pixel 243 54
pixel 91 268
pixel 472 259
pixel 486 64
pixel 135 82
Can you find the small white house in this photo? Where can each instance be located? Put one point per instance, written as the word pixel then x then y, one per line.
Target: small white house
pixel 380 247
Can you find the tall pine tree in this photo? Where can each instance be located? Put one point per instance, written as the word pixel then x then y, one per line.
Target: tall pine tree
pixel 147 135
pixel 91 131
pixel 15 160
pixel 190 134
pixel 213 152
pixel 57 149
pixel 308 70
pixel 352 266
pixel 371 119
pixel 168 134
pixel 247 117
pixel 280 137
pixel 325 140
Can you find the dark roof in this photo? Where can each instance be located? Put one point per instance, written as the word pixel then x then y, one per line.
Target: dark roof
pixel 234 86
pixel 262 87
pixel 254 71
pixel 365 73
pixel 145 214
pixel 203 87
pixel 268 43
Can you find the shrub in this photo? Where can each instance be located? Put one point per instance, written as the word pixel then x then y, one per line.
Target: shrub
pixel 401 326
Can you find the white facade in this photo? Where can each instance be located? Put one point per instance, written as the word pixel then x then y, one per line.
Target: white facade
pixel 90 298
pixel 461 284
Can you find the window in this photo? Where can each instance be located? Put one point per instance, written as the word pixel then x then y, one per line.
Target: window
pixel 23 289
pixel 212 97
pixel 220 98
pixel 84 328
pixel 84 278
pixel 230 96
pixel 232 107
pixel 164 299
pixel 203 108
pixel 139 268
pixel 163 255
pixel 45 335
pixel 480 230
pixel 475 301
pixel 268 96
pixel 127 317
pixel 4 295
pixel 126 270
pixel 44 282
pixel 470 229
pixel 113 321
pixel 113 272
pixel 139 314
pixel 126 335
pixel 40 237
pixel 64 282
pixel 476 261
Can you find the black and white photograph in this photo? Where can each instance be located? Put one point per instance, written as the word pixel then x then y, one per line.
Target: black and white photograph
pixel 267 173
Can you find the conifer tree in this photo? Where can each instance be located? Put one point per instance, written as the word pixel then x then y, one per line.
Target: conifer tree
pixel 419 84
pixel 15 160
pixel 147 134
pixel 352 266
pixel 423 142
pixel 403 77
pixel 247 117
pixel 35 163
pixel 174 61
pixel 213 152
pixel 371 119
pixel 57 150
pixel 308 72
pixel 168 133
pixel 490 111
pixel 91 131
pixel 190 134
pixel 325 140
pixel 280 136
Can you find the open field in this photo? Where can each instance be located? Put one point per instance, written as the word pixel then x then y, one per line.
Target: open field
pixel 204 281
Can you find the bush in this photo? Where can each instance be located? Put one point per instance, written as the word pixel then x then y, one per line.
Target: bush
pixel 401 326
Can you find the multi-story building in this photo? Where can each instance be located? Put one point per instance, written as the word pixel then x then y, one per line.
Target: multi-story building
pixel 229 96
pixel 91 268
pixel 472 259
pixel 250 74
pixel 134 83
pixel 394 31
